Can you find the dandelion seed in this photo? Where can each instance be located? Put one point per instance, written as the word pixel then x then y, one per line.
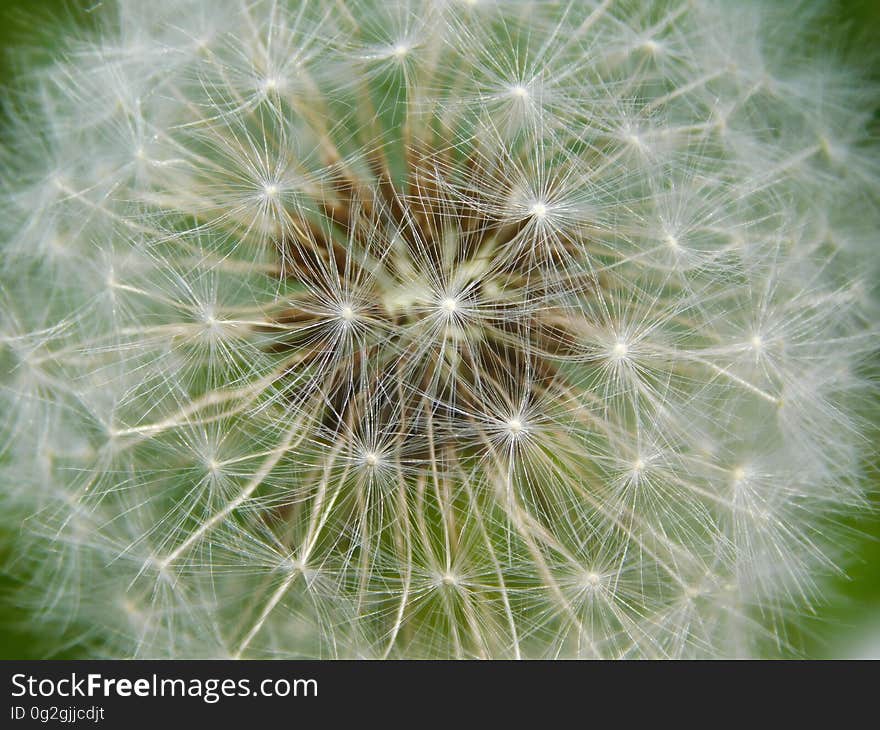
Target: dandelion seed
pixel 346 313
pixel 450 305
pixel 539 211
pixel 295 565
pixel 516 427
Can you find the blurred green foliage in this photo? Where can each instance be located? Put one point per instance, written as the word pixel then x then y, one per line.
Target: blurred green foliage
pixel 853 598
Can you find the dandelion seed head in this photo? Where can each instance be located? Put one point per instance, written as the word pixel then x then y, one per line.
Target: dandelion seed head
pixel 430 330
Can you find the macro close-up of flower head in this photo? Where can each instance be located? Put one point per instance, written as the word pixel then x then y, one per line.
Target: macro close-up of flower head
pixel 436 328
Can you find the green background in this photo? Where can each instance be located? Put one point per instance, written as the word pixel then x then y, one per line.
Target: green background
pixel 838 628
